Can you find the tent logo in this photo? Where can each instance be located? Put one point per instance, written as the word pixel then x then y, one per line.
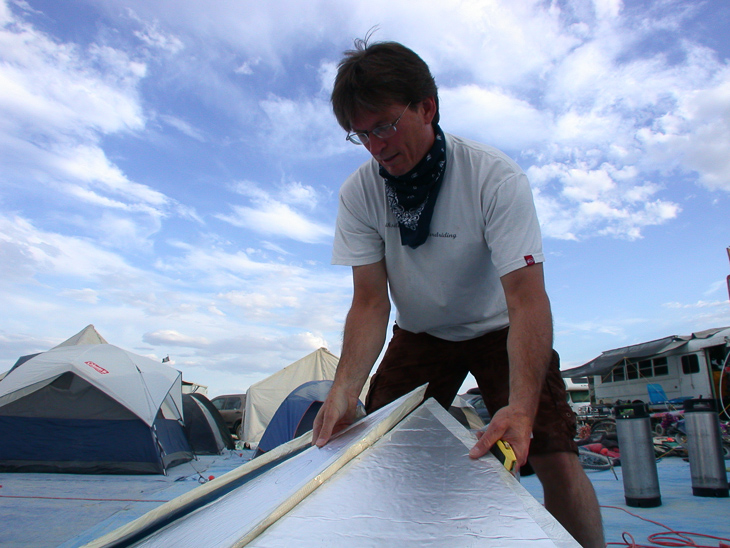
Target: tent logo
pixel 97 367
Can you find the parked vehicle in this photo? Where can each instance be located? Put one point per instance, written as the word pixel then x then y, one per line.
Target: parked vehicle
pixel 473 397
pixel 231 408
pixel 687 366
pixel 578 395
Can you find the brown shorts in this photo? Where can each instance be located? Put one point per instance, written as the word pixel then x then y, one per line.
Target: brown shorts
pixel 413 359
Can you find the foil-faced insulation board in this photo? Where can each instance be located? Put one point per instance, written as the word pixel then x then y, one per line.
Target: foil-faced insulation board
pixel 396 477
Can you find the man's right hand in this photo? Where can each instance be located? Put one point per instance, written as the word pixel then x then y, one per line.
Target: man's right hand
pixel 337 413
pixel 508 424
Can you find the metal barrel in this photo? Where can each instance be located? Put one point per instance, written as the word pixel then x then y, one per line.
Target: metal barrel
pixel 704 445
pixel 638 462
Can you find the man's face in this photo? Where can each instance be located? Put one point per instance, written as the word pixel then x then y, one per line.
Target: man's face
pixel 399 153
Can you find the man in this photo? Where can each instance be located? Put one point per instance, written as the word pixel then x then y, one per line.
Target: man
pixel 448 226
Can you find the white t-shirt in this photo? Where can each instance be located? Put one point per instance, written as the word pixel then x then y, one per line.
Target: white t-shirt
pixel 484 226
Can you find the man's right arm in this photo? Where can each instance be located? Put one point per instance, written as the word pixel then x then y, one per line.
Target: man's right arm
pixel 363 339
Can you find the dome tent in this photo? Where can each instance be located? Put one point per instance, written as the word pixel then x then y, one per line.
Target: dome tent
pixel 295 415
pixel 88 335
pixel 204 427
pixel 264 397
pixel 91 408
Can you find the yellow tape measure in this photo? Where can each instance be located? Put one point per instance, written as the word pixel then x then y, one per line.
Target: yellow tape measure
pixel 504 453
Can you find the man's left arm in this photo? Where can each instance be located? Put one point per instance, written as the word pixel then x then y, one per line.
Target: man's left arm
pixel 529 347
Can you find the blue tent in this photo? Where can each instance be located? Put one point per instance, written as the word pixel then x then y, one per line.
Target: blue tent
pixel 295 415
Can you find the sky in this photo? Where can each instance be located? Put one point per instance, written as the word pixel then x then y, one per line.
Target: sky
pixel 169 170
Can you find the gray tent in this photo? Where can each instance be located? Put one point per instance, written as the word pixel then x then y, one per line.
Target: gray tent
pixel 204 427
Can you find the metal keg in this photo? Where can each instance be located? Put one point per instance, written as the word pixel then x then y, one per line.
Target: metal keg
pixel 638 462
pixel 704 445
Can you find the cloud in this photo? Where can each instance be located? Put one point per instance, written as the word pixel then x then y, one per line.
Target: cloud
pixel 277 219
pixel 28 252
pixel 60 89
pixel 169 337
pixel 58 101
pixel 696 135
pixel 183 127
pixel 89 296
pixel 276 216
pixel 113 136
pixel 685 317
pixel 214 308
pixel 246 67
pixel 603 105
pixel 573 203
pixel 302 127
pixel 156 39
pixel 721 286
pixel 222 268
pixel 551 82
pixel 656 113
pixel 296 193
pixel 696 305
pixel 260 301
pixel 240 287
pixel 89 164
pixel 494 116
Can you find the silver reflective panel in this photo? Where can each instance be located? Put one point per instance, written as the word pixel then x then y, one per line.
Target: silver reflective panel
pixel 386 481
pixel 418 487
pixel 235 518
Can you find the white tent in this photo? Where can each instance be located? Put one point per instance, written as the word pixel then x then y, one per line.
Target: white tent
pixel 88 335
pixel 138 383
pixel 93 402
pixel 264 397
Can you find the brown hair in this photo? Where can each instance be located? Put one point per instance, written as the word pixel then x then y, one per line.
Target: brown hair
pixel 373 77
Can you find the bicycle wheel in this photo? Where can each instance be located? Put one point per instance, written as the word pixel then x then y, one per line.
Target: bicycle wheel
pixel 606 426
pixel 593 461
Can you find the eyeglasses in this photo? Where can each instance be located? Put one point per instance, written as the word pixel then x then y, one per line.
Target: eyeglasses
pixel 381 132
